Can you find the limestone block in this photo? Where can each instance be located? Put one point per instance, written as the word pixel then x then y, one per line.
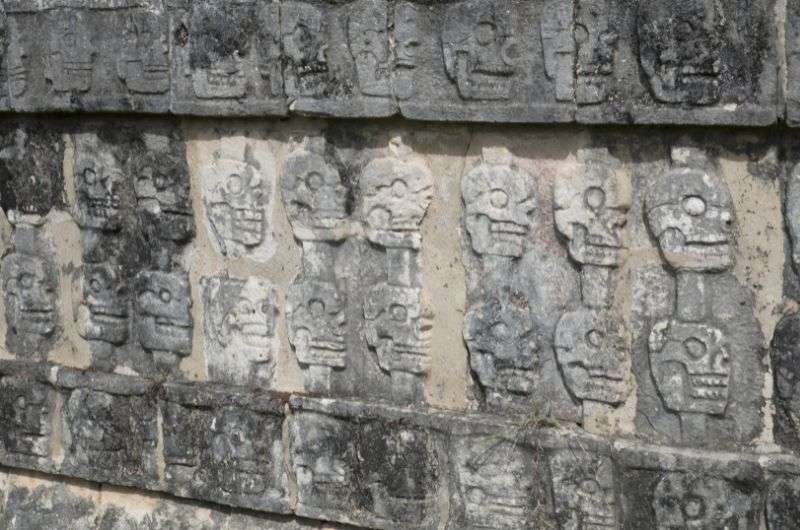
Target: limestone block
pixel 225 447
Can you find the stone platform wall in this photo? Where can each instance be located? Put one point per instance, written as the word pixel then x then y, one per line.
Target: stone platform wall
pixel 230 301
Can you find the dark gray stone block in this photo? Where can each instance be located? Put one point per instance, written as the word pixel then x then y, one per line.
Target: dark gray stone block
pixel 225 447
pixel 783 493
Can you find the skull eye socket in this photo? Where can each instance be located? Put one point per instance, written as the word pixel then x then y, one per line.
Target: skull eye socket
pixel 165 296
pixel 398 312
pixel 595 337
pixel 695 348
pixel 314 181
pixel 485 33
pixel 595 198
pixel 590 487
pixel 500 330
pixel 581 34
pixel 694 508
pixel 694 205
pixel 234 184
pixel 26 280
pixel 399 188
pixel 498 198
pixel 316 307
pixel 89 176
pixel 265 307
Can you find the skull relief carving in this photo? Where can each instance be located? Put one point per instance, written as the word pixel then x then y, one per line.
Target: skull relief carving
pixel 236 205
pixel 406 47
pixel 302 33
pixel 690 213
pixel 691 366
pixel 93 427
pixel 25 409
pixel 681 50
pixel 590 211
pixel 103 314
pixel 315 313
pixel 144 65
pixel 498 202
pixel 162 191
pixel 502 345
pixel 479 49
pixel 368 40
pixel 30 296
pixel 686 500
pixel 98 183
pixel 314 195
pixel 235 459
pixel 583 487
pixel 70 62
pixel 398 328
pixel 251 321
pixel 596 42
pixel 592 350
pixel 163 316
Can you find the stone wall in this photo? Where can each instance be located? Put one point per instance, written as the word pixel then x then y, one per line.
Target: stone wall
pixel 231 301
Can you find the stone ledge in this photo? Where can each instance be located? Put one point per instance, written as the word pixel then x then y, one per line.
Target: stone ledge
pixel 373 465
pixel 469 60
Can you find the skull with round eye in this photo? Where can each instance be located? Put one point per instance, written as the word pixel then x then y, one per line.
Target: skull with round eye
pixel 98 182
pixel 30 295
pixel 163 312
pixel 161 185
pixel 395 196
pixel 316 318
pixel 596 43
pixel 104 312
pixel 583 486
pixel 502 345
pixel 24 406
pixel 368 39
pixel 499 200
pixel 302 35
pixel 686 500
pixel 313 193
pixel 235 203
pixel 690 213
pixel 69 64
pixel 234 454
pixel 251 320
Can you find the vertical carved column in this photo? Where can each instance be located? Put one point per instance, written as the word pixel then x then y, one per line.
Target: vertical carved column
pixel 316 199
pixel 396 191
pixel 689 212
pixel 592 343
pixel 498 328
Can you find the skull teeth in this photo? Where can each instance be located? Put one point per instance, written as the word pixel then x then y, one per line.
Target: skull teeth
pixel 710 380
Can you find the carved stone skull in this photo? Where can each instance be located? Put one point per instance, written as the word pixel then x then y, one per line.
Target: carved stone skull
pixel 686 500
pixel 302 34
pixel 406 47
pixel 98 183
pixel 235 205
pixel 234 456
pixel 596 42
pixel 30 296
pixel 103 315
pixel 395 196
pixel 479 49
pixel 161 184
pixel 144 65
pixel 25 409
pixel 314 195
pixel 93 428
pixel 592 348
pixel 583 487
pixel 691 366
pixel 398 328
pixel 70 62
pixel 251 321
pixel 163 312
pixel 322 456
pixel 690 213
pixel 498 202
pixel 503 348
pixel 368 40
pixel 590 211
pixel 681 49
pixel 316 318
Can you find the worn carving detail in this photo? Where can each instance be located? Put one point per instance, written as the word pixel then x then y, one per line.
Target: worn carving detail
pixel 368 42
pixel 583 490
pixel 144 65
pixel 236 196
pixel 315 312
pixel 498 203
pixel 25 410
pixel 239 329
pixel 593 344
pixel 103 313
pixel 98 181
pixel 306 69
pixel 686 500
pixel 69 65
pixel 161 184
pixel 406 45
pixel 680 50
pixel 163 315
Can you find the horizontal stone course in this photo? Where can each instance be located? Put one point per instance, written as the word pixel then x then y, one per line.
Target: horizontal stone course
pixel 537 61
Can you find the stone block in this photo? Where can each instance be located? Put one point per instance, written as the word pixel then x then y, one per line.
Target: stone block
pixel 783 492
pixel 225 446
pixel 109 428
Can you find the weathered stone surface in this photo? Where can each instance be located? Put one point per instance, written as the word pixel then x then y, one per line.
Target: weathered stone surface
pixel 365 466
pixel 108 428
pixel 670 488
pixel 83 64
pixel 46 505
pixel 225 447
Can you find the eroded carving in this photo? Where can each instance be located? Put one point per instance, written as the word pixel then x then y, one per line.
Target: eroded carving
pixel 322 456
pixel 583 490
pixel 302 32
pixel 25 408
pixel 240 323
pixel 503 347
pixel 236 196
pixel 163 314
pixel 103 313
pixel 687 500
pixel 498 201
pixel 406 45
pixel 98 183
pixel 144 65
pixel 368 42
pixel 478 46
pixel 680 50
pixel 69 65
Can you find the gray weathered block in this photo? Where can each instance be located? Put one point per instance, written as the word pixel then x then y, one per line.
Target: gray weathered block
pixel 225 447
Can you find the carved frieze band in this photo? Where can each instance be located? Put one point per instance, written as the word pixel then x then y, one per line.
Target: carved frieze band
pixel 478 60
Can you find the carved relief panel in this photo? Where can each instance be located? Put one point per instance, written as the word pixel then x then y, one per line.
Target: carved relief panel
pixel 240 329
pixel 226 58
pixel 218 446
pixel 26 413
pixel 584 492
